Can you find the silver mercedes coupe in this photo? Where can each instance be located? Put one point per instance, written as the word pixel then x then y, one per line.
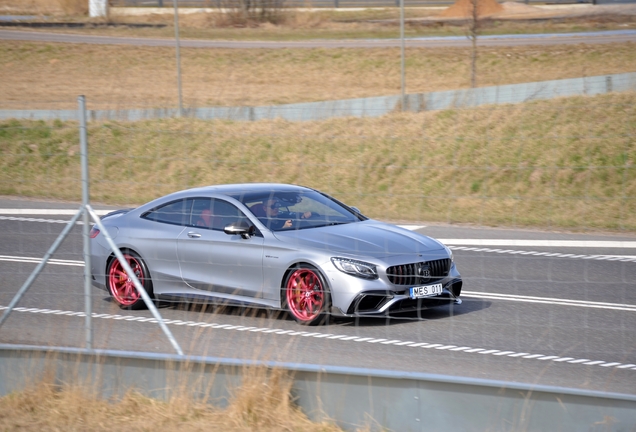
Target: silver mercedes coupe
pixel 271 246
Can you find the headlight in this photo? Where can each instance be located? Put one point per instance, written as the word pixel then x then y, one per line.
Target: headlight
pixel 355 268
pixel 450 254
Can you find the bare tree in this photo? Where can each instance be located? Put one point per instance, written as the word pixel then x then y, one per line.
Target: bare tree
pixel 473 30
pixel 474 12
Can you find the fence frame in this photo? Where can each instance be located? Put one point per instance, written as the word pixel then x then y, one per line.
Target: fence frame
pixel 88 213
pixel 348 397
pixel 351 397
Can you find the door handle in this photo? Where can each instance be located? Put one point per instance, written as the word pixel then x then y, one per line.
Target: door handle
pixel 193 234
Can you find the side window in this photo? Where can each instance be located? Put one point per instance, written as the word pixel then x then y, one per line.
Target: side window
pixel 214 214
pixel 226 213
pixel 202 213
pixel 175 213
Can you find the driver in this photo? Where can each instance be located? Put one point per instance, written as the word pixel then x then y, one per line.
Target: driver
pixel 271 211
pixel 272 207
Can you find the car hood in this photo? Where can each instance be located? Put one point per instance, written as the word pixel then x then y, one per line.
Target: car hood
pixel 368 238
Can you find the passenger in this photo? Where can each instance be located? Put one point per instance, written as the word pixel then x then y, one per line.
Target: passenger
pixel 204 219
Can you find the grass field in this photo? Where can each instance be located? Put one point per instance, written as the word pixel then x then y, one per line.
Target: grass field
pixel 47 75
pixel 561 164
pixel 565 164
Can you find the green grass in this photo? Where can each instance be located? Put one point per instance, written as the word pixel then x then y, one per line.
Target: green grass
pixel 566 163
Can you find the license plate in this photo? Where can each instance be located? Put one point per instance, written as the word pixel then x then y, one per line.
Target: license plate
pixel 425 291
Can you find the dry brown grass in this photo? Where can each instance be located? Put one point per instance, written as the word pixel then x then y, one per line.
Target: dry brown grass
pixel 52 75
pixel 74 7
pixel 46 7
pixel 263 402
pixel 465 8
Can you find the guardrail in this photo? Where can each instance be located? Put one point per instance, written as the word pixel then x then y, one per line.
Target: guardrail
pixel 286 3
pixel 350 397
pixel 329 3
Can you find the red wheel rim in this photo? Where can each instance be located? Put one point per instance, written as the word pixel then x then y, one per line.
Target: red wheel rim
pixel 305 294
pixel 121 286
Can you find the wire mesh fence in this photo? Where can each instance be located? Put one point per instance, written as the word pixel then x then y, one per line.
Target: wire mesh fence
pixel 562 166
pixel 537 200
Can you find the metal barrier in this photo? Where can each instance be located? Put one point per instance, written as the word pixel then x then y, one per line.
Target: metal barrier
pixel 327 3
pixel 364 107
pixel 287 3
pixel 350 397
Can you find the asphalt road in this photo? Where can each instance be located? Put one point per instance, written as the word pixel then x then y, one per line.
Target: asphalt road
pixel 539 307
pixel 440 42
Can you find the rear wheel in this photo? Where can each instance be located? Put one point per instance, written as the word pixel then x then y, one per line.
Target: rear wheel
pixel 306 296
pixel 120 284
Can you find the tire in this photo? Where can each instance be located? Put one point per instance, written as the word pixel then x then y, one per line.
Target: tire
pixel 306 296
pixel 121 287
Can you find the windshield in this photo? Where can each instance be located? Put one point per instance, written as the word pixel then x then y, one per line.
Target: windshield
pixel 281 211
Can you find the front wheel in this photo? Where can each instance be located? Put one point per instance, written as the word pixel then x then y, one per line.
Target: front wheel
pixel 121 286
pixel 306 296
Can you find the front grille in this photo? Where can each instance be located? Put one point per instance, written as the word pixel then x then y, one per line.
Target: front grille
pixel 419 273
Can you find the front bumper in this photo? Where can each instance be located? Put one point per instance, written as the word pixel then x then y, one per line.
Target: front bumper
pixel 383 303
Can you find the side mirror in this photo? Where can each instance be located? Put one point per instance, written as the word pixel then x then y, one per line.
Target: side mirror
pixel 355 209
pixel 241 228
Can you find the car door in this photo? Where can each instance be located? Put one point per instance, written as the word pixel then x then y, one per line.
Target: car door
pixel 156 233
pixel 211 260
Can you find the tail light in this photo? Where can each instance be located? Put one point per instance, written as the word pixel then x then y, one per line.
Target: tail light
pixel 94 232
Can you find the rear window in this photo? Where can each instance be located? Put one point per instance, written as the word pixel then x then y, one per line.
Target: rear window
pixel 174 213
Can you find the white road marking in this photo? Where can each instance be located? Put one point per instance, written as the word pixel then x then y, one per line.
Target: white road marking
pixel 549 300
pixel 624 258
pixel 541 243
pixel 349 338
pixel 412 227
pixel 47 212
pixel 33 260
pixel 24 219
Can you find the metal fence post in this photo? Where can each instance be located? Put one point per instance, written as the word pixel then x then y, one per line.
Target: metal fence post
pixel 402 62
pixel 176 36
pixel 86 228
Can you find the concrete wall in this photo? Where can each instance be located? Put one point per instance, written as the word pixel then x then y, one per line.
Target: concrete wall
pixel 364 107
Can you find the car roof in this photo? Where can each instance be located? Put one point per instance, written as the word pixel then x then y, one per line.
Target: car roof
pixel 229 190
pixel 233 189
